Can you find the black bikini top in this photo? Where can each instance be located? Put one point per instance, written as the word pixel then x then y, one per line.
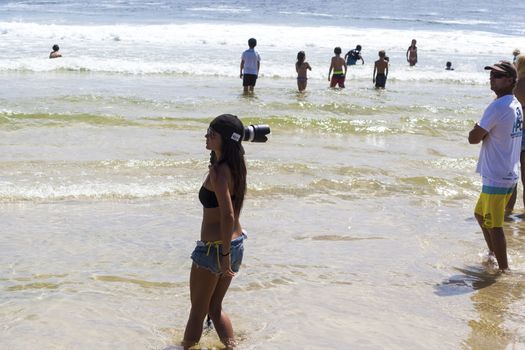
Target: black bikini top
pixel 208 198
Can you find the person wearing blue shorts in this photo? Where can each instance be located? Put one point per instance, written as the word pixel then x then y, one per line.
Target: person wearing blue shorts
pixel 219 252
pixel 500 131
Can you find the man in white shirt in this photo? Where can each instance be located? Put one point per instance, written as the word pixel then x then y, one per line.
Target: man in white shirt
pixel 250 65
pixel 500 129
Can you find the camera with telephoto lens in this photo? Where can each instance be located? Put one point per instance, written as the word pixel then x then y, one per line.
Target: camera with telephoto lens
pixel 256 133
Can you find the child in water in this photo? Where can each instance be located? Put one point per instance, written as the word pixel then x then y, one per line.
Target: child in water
pixel 339 67
pixel 55 53
pixel 412 53
pixel 381 67
pixel 301 67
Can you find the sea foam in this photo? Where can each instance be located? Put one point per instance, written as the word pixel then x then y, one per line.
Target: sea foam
pixel 215 49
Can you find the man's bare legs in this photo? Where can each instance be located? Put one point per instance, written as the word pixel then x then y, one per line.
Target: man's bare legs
pixel 248 90
pixel 499 244
pixel 496 242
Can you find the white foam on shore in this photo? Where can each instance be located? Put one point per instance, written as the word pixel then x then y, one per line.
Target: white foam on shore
pixel 100 191
pixel 214 49
pixel 224 9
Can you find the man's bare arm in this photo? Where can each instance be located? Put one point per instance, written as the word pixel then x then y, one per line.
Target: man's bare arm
pixel 477 134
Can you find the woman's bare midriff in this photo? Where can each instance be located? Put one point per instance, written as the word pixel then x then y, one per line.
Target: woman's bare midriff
pixel 211 225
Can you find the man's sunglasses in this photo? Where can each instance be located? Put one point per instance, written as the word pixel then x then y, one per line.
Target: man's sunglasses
pixel 497 75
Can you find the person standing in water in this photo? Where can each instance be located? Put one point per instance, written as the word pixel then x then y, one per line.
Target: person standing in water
pixel 412 53
pixel 302 67
pixel 250 65
pixel 353 56
pixel 381 67
pixel 519 93
pixel 500 132
pixel 515 55
pixel 218 255
pixel 337 64
pixel 55 53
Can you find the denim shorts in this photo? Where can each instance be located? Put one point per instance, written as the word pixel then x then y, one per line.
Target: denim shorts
pixel 205 254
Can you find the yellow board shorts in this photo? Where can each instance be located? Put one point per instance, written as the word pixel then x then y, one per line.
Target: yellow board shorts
pixel 491 205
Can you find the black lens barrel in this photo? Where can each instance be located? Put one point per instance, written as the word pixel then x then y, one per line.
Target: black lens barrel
pixel 256 133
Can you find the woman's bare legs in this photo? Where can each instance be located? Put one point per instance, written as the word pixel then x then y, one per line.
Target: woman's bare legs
pixel 220 319
pixel 202 286
pixel 207 290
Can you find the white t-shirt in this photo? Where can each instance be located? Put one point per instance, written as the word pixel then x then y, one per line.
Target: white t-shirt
pixel 250 58
pixel 500 151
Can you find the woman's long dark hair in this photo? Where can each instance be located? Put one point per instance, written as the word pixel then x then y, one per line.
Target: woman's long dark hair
pixel 233 156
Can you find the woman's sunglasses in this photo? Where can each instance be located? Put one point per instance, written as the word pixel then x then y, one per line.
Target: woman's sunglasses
pixel 210 133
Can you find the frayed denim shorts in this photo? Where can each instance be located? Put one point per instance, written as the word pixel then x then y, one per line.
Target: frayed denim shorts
pixel 206 254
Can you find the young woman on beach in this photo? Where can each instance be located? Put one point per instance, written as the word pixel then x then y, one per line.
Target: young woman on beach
pixel 218 254
pixel 412 53
pixel 301 67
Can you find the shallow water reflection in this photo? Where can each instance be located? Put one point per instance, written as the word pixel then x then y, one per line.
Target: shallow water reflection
pixel 497 327
pixel 499 304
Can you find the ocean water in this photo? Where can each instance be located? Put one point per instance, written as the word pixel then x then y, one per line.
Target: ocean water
pixel 358 211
